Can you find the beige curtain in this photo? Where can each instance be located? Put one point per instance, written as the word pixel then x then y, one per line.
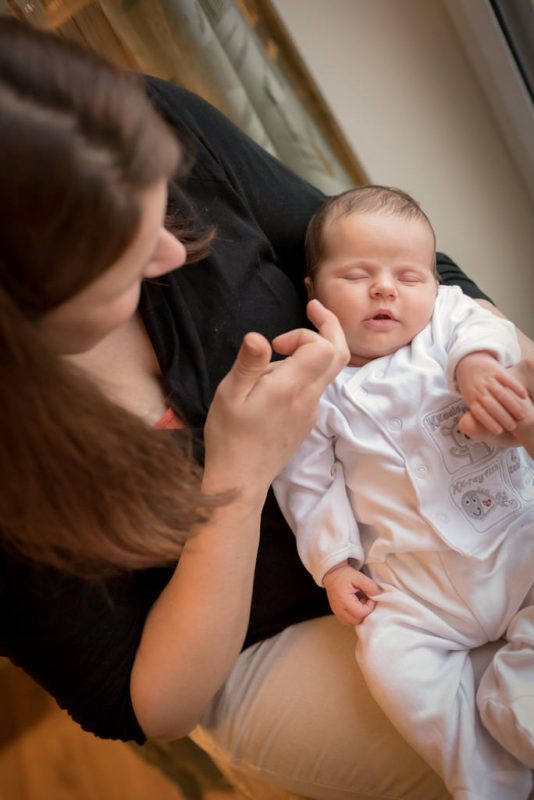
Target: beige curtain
pixel 210 47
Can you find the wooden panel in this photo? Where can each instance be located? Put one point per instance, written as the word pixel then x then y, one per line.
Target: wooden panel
pixel 46 756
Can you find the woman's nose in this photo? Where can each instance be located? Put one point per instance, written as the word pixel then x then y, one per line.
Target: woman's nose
pixel 170 255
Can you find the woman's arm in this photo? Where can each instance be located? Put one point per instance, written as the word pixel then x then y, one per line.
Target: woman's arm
pixel 260 414
pixel 195 629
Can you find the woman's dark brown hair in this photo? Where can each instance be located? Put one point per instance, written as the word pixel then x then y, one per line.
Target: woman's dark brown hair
pixel 85 486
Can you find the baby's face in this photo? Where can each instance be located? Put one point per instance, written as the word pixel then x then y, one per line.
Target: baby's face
pixel 377 277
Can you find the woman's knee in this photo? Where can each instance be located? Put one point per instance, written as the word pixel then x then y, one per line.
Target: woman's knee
pixel 296 714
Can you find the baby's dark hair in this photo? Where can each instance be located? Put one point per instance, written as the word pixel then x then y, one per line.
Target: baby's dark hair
pixel 362 200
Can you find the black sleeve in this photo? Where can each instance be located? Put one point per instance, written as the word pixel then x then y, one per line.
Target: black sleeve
pixel 450 274
pixel 78 640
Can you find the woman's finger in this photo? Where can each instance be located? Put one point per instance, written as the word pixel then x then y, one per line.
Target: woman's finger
pixel 327 324
pixel 485 418
pixel 328 328
pixel 497 407
pixel 524 373
pixel 316 356
pixel 506 379
pixel 509 399
pixel 251 362
pixel 286 344
pixel 471 428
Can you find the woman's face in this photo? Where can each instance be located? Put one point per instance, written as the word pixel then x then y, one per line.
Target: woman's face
pixel 83 320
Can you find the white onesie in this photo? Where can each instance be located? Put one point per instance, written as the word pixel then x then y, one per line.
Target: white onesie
pixel 445 526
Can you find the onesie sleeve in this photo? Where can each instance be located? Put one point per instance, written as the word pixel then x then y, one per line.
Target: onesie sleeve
pixel 312 495
pixel 469 328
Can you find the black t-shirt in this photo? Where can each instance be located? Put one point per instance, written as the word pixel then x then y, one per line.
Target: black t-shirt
pixel 78 639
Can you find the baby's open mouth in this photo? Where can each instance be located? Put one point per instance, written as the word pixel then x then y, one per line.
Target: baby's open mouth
pixel 382 319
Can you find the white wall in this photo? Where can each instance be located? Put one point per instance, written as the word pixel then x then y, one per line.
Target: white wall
pixel 396 78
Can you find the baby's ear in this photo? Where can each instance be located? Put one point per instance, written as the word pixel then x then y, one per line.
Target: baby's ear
pixel 309 288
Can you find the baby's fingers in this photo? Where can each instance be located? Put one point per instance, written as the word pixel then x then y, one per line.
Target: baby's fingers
pixel 489 415
pixel 366 609
pixel 361 609
pixel 365 584
pixel 510 400
pixel 507 379
pixel 354 612
pixel 502 405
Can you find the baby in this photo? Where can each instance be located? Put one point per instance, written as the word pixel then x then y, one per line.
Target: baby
pixel 443 524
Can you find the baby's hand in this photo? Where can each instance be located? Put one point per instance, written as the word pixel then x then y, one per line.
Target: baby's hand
pixel 350 593
pixel 523 433
pixel 496 399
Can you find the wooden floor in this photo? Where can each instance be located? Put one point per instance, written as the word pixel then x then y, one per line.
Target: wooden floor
pixel 45 756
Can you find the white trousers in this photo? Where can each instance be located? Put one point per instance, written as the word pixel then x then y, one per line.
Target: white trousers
pixel 414 653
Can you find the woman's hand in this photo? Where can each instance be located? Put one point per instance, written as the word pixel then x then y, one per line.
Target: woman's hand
pixel 262 411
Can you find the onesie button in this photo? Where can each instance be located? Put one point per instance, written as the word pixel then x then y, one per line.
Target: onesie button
pixel 394 424
pixel 441 517
pixel 421 471
pixel 379 373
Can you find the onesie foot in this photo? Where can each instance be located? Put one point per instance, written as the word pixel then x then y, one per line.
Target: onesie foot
pixel 512 726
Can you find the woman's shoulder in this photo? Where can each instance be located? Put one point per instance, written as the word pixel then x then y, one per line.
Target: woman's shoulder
pixel 204 131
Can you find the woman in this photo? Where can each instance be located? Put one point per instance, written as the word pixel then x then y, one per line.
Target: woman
pixel 90 490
